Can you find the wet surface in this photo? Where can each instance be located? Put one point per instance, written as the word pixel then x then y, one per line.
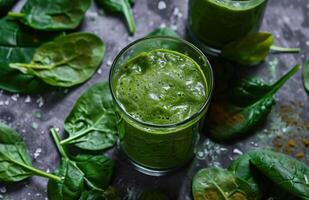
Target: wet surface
pixel 286 128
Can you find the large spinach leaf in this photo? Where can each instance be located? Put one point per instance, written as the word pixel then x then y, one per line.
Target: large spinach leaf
pixel 5 6
pixel 289 174
pixel 71 185
pixel 15 162
pixel 120 6
pixel 92 123
pixel 98 169
pixel 220 184
pixel 227 121
pixel 53 14
pixel 306 76
pixel 58 65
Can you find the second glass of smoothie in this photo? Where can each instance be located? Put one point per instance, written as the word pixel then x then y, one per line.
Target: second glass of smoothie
pixel 214 23
pixel 161 88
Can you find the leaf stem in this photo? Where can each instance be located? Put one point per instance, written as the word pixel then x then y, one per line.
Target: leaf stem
pixel 78 135
pixel 278 49
pixel 38 172
pixel 58 143
pixel 127 11
pixel 16 14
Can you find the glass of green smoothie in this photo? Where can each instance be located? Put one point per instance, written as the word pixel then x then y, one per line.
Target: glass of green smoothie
pixel 214 23
pixel 161 88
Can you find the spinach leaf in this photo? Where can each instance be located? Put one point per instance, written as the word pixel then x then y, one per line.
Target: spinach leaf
pixel 97 168
pixel 243 169
pixel 253 48
pixel 166 31
pixel 220 184
pixel 52 14
pixel 153 195
pixel 14 158
pixel 227 121
pixel 306 76
pixel 287 173
pixel 58 65
pixel 91 167
pixel 15 162
pixel 120 6
pixel 5 6
pixel 249 50
pixel 248 91
pixel 71 184
pixel 92 123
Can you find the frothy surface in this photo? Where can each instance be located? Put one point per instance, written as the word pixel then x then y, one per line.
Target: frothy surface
pixel 161 87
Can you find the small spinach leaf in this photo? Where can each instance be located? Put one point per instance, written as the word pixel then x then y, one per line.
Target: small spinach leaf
pixel 227 121
pixel 251 49
pixel 5 6
pixel 306 76
pixel 15 162
pixel 52 14
pixel 97 168
pixel 58 65
pixel 289 174
pixel 71 184
pixel 120 6
pixel 92 123
pixel 217 183
pixel 165 31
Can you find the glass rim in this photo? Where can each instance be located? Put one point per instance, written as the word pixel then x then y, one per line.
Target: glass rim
pixel 247 2
pixel 152 125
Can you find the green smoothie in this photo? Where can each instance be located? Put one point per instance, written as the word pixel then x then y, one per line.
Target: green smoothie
pixel 160 87
pixel 218 22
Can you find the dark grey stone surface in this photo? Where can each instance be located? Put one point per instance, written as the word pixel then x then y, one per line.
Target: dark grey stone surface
pixel 287 20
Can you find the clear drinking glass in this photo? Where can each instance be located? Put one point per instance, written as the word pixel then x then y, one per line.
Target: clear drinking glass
pixel 156 149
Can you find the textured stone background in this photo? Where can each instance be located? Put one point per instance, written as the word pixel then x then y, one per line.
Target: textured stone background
pixel 33 115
